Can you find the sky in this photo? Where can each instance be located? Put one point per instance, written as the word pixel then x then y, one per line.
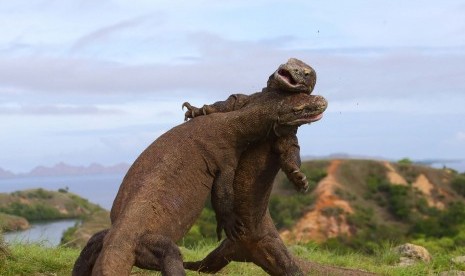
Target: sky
pixel 98 81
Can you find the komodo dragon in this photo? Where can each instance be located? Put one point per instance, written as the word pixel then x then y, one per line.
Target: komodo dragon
pixel 294 76
pixel 256 239
pixel 165 189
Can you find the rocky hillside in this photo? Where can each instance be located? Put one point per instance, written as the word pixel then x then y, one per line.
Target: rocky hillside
pixel 358 198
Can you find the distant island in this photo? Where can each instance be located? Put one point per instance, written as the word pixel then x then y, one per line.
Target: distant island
pixel 63 169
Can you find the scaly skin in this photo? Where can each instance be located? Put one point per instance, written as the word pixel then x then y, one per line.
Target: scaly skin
pixel 292 77
pixel 165 189
pixel 256 238
pixel 260 242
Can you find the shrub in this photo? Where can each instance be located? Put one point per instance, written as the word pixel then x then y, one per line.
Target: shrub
pixel 447 223
pixel 405 161
pixel 458 184
pixel 3 250
pixel 285 210
pixel 204 229
pixel 396 197
pixel 32 212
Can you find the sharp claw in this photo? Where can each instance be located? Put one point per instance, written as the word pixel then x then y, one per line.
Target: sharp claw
pixel 296 171
pixel 304 177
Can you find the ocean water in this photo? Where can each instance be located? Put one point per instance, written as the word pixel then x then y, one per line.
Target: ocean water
pixel 45 233
pixel 99 189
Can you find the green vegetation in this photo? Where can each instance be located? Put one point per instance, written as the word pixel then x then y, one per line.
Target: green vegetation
pixel 288 206
pixel 77 235
pixel 406 168
pixel 203 231
pixel 369 234
pixel 12 223
pixel 34 259
pixel 458 184
pixel 40 204
pixel 287 209
pixel 396 198
pixel 38 211
pixel 448 223
pixel 3 251
pixel 405 161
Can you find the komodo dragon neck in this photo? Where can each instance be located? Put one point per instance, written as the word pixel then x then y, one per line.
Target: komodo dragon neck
pixel 254 122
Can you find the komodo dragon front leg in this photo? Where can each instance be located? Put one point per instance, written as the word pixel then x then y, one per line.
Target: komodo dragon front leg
pixel 233 102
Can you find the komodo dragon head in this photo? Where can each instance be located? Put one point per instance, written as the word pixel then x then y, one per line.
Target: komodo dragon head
pixel 300 109
pixel 293 76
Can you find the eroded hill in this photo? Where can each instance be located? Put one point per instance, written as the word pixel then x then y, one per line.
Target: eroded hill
pixel 375 200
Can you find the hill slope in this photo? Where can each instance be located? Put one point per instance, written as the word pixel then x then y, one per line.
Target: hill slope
pixel 377 198
pixel 17 208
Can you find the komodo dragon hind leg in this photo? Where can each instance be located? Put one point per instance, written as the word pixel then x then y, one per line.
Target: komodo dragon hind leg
pixel 86 260
pixel 226 252
pixel 157 252
pixel 152 252
pixel 271 255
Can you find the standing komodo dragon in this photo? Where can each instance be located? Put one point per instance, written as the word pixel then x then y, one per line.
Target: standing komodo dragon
pixel 256 239
pixel 165 189
pixel 294 76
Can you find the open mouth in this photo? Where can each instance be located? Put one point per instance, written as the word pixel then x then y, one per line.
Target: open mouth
pixel 284 74
pixel 306 118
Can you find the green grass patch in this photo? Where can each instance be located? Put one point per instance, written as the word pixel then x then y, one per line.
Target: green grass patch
pixel 34 259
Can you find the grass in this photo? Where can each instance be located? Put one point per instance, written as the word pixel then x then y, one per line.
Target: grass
pixel 34 259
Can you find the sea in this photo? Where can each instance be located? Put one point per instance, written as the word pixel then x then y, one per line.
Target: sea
pixel 99 189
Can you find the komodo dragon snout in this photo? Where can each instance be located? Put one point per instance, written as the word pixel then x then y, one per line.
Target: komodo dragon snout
pixel 302 109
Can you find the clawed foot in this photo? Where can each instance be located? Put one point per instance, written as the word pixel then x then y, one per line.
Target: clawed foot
pixel 233 227
pixel 300 181
pixel 192 111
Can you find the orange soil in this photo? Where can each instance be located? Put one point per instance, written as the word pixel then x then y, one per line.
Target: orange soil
pixel 316 226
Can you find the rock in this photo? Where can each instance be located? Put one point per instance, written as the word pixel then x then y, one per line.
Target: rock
pixel 404 261
pixel 411 253
pixel 458 260
pixel 452 273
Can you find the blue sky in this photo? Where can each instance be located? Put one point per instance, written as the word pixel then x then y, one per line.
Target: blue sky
pixel 97 81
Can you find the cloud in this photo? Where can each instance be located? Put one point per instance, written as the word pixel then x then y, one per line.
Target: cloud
pixel 56 110
pixel 229 66
pixel 105 32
